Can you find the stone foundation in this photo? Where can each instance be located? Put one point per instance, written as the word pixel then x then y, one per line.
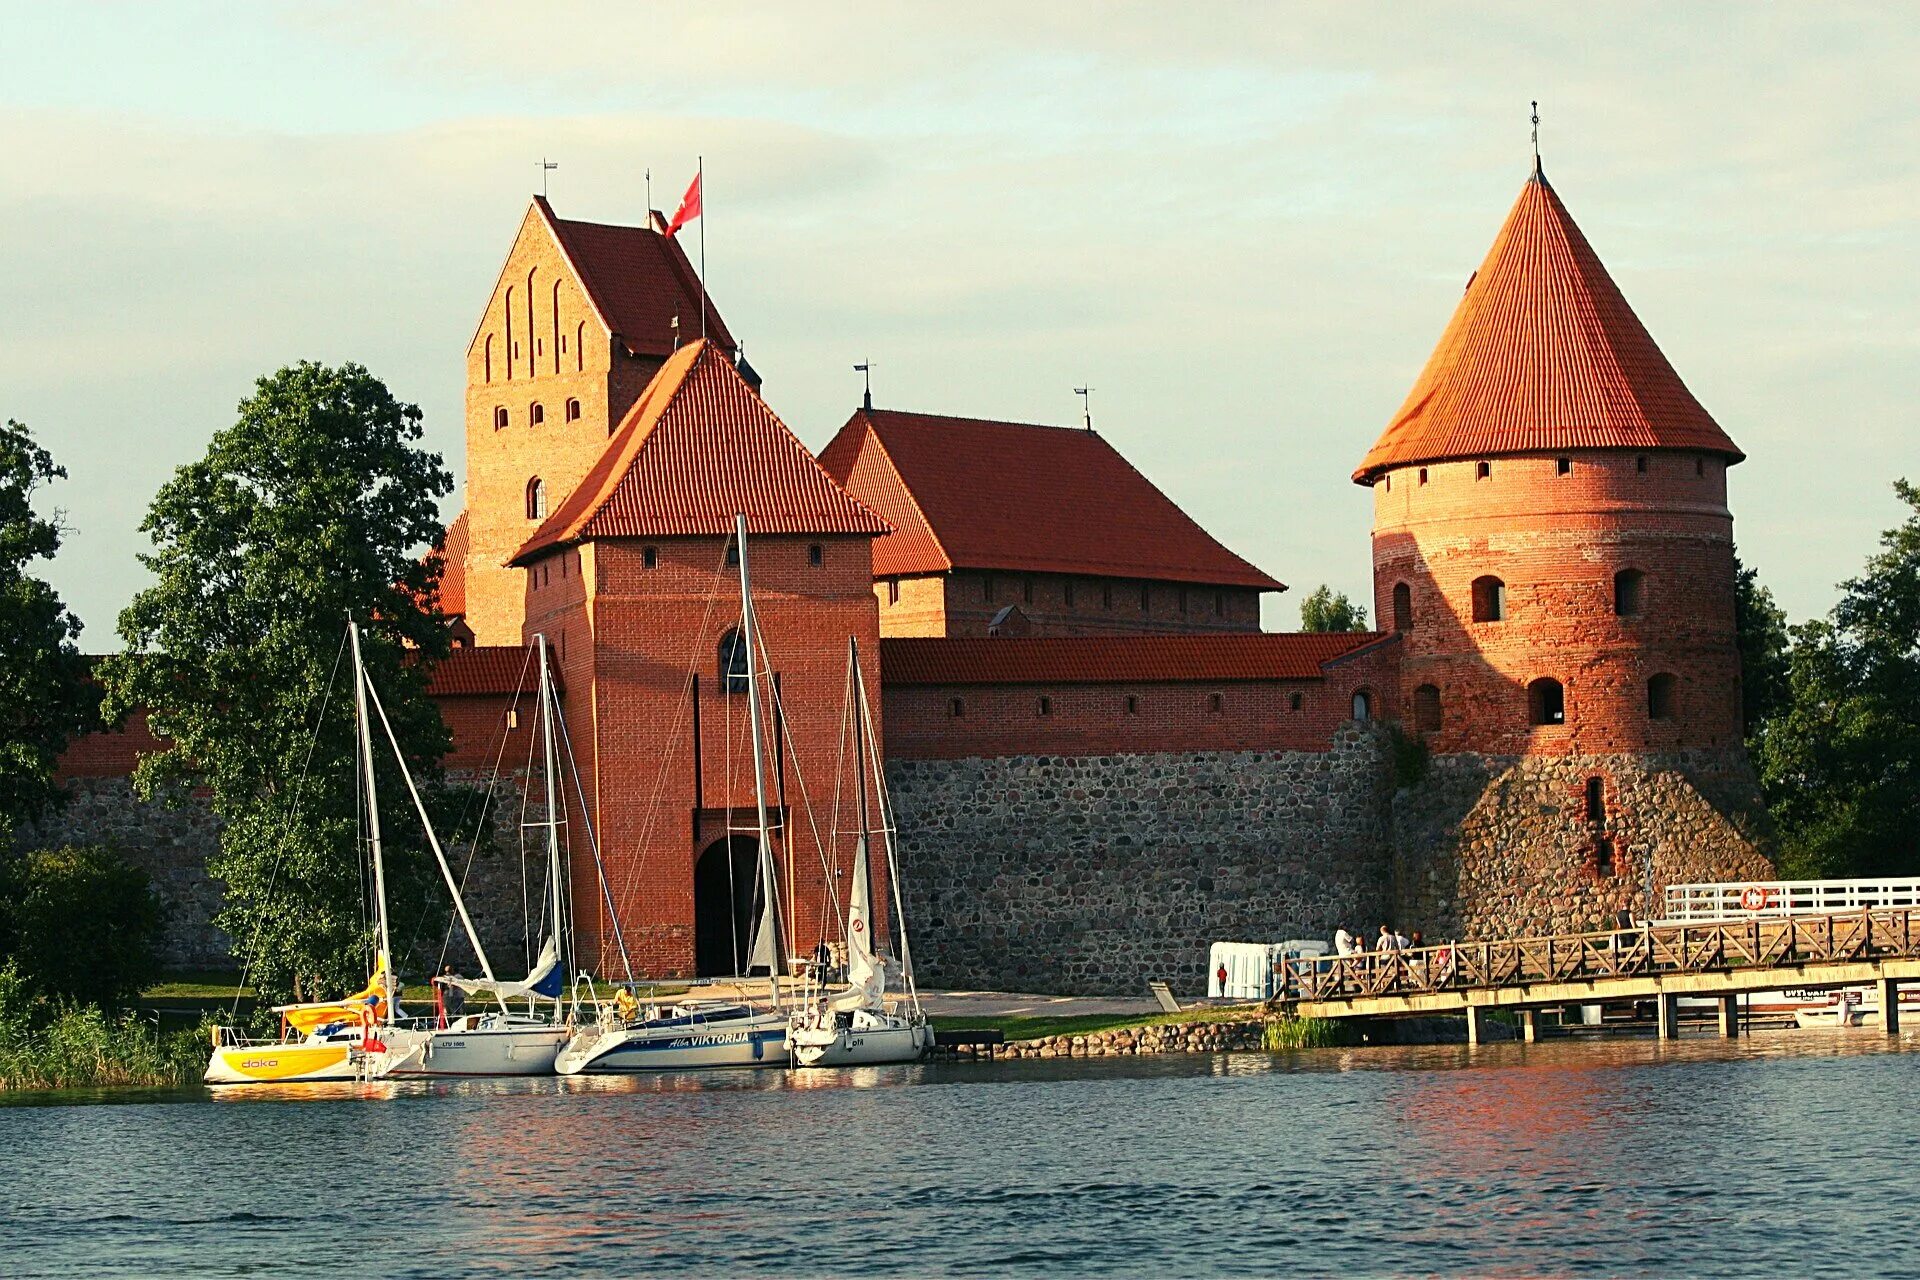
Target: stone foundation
pixel 1504 846
pixel 1096 874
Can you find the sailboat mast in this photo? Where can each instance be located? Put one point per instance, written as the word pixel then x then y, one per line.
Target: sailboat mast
pixel 553 810
pixel 860 773
pixel 750 629
pixel 364 727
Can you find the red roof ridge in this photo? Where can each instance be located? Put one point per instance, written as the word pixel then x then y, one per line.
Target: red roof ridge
pixel 1543 353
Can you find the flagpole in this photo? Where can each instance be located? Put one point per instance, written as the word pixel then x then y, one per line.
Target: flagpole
pixel 702 177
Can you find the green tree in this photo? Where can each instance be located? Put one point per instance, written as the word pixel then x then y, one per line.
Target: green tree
pixel 80 924
pixel 1840 765
pixel 44 686
pixel 313 507
pixel 1325 609
pixel 1760 628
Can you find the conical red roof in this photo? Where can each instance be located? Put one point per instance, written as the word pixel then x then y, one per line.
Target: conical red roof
pixel 698 446
pixel 1543 353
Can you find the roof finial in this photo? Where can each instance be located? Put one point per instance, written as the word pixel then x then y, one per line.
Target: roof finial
pixel 866 396
pixel 1536 139
pixel 1086 406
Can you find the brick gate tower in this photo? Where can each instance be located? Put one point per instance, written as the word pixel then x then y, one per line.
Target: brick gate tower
pixel 1553 544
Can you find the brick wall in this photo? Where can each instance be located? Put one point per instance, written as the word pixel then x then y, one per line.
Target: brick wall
pixel 1557 541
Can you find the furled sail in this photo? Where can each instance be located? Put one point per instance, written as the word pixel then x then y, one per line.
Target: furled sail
pixel 866 979
pixel 307 1018
pixel 545 980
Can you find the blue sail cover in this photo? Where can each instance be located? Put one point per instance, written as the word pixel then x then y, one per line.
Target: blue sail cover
pixel 547 979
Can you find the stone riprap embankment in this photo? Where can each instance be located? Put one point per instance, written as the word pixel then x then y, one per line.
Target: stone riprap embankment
pixel 1180 1037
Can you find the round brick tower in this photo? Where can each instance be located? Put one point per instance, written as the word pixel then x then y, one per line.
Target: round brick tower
pixel 1552 542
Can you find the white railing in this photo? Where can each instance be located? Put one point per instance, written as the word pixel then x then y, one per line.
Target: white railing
pixel 1746 899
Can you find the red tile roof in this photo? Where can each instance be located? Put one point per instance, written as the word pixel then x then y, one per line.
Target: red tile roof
pixel 963 493
pixel 698 446
pixel 453 575
pixel 1543 353
pixel 486 669
pixel 1117 659
pixel 638 280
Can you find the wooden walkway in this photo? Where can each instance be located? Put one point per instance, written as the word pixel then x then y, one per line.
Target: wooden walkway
pixel 1663 962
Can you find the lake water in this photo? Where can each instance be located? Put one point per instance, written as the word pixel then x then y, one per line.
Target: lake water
pixel 1787 1154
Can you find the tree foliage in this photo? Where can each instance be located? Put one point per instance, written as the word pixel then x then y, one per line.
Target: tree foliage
pixel 45 693
pixel 1840 765
pixel 1325 609
pixel 79 924
pixel 313 507
pixel 1760 628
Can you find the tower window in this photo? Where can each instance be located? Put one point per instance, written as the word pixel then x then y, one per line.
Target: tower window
pixel 1133 705
pixel 1629 592
pixel 1389 482
pixel 1423 475
pixel 573 405
pixel 1597 801
pixel 893 591
pixel 1402 607
pixel 1640 464
pixel 956 707
pixel 536 414
pixel 1426 707
pixel 733 554
pixel 1293 702
pixel 1661 690
pixel 813 554
pixel 1362 704
pixel 1482 470
pixel 1489 599
pixel 1046 705
pixel 733 662
pixel 1546 701
pixel 1216 703
pixel 650 557
pixel 536 499
pixel 1563 466
pixel 499 416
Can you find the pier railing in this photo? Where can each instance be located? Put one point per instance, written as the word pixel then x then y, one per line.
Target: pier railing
pixel 1741 900
pixel 1762 943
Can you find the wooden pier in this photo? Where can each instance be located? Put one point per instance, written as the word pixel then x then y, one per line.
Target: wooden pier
pixel 1720 960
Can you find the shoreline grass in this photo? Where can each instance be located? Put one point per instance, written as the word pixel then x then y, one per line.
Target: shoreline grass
pixel 1040 1026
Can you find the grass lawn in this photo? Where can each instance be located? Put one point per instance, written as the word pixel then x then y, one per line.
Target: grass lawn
pixel 1028 1027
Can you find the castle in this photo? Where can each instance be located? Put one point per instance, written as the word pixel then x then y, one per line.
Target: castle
pixel 1099 762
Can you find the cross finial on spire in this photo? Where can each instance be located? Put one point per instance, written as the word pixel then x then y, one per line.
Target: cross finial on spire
pixel 546 166
pixel 866 396
pixel 1536 137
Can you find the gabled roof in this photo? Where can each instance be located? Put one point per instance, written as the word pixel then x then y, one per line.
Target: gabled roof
pixel 1202 659
pixel 1543 353
pixel 963 493
pixel 479 670
pixel 453 572
pixel 638 280
pixel 698 446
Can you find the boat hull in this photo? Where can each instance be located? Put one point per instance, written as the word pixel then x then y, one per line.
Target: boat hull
pixel 677 1044
pixel 514 1049
pixel 283 1063
pixel 847 1047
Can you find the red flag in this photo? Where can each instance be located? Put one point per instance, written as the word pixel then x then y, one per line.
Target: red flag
pixel 689 207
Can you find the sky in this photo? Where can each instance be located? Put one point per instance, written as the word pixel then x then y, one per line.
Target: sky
pixel 1243 225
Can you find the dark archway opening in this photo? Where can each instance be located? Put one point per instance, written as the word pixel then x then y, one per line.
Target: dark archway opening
pixel 726 883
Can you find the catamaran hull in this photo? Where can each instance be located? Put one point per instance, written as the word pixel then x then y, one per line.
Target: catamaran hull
pixel 759 1042
pixel 846 1047
pixel 488 1051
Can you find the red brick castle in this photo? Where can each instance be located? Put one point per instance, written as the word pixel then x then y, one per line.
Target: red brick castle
pixel 1100 761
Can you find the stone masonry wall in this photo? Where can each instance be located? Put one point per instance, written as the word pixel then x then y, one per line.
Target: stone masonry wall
pixel 1502 846
pixel 1100 873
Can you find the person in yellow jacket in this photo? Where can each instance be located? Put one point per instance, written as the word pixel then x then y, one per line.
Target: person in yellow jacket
pixel 625 1005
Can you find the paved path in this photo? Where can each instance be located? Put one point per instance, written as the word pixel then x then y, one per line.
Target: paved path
pixel 992 1004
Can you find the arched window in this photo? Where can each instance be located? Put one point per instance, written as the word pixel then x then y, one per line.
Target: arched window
pixel 573 409
pixel 1489 599
pixel 1426 707
pixel 1629 592
pixel 1546 701
pixel 1402 607
pixel 1661 693
pixel 559 342
pixel 580 346
pixel 536 414
pixel 814 554
pixel 1362 704
pixel 536 499
pixel 733 662
pixel 499 416
pixel 512 346
pixel 488 358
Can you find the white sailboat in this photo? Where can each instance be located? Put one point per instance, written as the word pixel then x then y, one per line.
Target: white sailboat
pixel 860 1025
pixel 694 1033
pixel 356 1038
pixel 499 1042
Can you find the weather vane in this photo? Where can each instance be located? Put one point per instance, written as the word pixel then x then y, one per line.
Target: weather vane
pixel 866 395
pixel 1536 134
pixel 1086 405
pixel 546 166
